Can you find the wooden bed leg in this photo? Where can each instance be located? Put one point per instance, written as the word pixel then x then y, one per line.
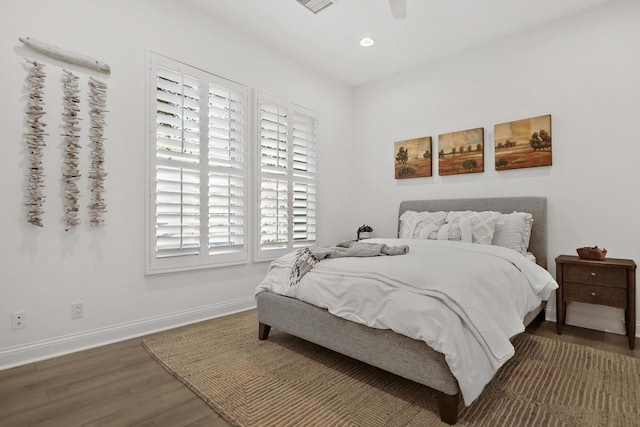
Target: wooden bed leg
pixel 263 331
pixel 448 407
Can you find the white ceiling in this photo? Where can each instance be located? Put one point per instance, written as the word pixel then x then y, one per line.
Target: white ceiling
pixel 329 41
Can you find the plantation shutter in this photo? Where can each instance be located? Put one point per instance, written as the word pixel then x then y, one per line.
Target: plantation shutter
pixel 227 112
pixel 177 164
pixel 287 176
pixel 198 191
pixel 274 187
pixel 304 173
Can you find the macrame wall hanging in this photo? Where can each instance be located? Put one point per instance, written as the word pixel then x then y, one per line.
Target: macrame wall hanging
pixel 71 136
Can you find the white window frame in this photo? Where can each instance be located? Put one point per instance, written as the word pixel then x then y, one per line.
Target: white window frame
pixel 205 259
pixel 273 253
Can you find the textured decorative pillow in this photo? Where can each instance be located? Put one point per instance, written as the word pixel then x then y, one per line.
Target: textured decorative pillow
pixel 430 232
pixel 513 231
pixel 408 222
pixel 459 231
pixel 483 224
pixel 412 222
pixel 429 220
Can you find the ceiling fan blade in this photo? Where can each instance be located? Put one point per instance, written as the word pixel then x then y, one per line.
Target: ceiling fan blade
pixel 398 8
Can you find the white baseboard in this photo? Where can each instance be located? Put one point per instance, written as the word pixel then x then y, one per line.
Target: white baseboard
pixel 27 353
pixel 590 320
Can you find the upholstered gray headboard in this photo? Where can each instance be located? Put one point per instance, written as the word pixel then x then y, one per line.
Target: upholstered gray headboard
pixel 536 206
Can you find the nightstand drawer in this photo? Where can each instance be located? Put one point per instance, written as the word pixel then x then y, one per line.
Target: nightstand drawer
pixel 596 275
pixel 605 295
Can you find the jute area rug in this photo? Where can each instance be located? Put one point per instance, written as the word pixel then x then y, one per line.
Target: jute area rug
pixel 286 381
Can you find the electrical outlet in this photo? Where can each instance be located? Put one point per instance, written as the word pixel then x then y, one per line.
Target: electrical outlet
pixel 18 319
pixel 77 310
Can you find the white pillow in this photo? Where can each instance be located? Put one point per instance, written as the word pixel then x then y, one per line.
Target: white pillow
pixel 429 220
pixel 412 222
pixel 513 231
pixel 408 222
pixel 430 232
pixel 459 231
pixel 483 224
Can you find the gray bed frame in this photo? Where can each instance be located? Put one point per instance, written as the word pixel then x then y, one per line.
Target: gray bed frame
pixel 385 349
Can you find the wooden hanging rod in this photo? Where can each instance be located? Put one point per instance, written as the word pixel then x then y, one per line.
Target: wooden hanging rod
pixel 63 55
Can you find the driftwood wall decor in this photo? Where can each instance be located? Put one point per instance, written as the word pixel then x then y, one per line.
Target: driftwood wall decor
pixel 71 126
pixel 97 103
pixel 35 142
pixel 35 136
pixel 64 55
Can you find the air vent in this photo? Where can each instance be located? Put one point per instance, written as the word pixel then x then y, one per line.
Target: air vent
pixel 316 6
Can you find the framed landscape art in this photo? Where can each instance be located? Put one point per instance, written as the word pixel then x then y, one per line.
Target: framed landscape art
pixel 523 143
pixel 461 152
pixel 413 158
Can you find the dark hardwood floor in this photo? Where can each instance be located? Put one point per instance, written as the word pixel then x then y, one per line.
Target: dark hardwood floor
pixel 120 384
pixel 597 339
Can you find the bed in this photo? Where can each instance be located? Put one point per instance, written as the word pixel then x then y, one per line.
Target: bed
pixel 410 358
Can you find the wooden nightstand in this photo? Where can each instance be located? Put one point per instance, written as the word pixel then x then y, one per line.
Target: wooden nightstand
pixel 609 282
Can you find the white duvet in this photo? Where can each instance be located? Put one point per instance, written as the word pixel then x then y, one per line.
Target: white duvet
pixel 464 300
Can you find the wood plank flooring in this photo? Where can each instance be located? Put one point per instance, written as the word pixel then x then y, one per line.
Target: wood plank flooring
pixel 121 385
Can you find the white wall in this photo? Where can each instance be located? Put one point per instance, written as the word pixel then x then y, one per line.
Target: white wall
pixel 585 71
pixel 44 270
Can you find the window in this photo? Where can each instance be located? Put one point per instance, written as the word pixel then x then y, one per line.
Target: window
pixel 286 176
pixel 197 168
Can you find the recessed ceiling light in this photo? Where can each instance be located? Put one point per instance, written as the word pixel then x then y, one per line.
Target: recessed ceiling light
pixel 366 42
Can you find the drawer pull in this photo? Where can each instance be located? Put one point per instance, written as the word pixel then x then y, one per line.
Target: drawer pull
pixel 593 274
pixel 593 294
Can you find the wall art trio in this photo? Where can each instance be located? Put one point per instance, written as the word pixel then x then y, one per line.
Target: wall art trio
pixel 519 144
